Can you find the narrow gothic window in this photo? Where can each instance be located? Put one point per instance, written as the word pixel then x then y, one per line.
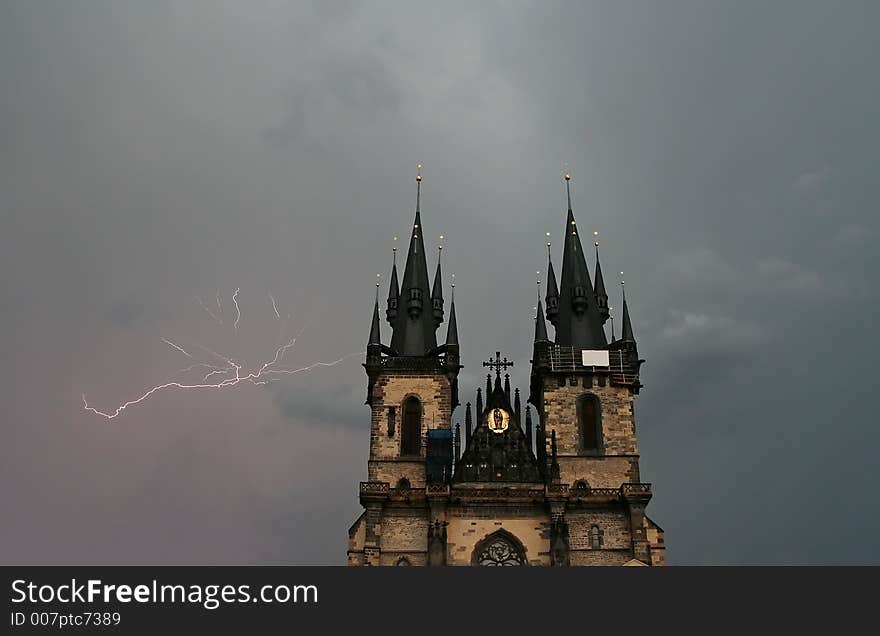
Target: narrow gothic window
pixel 589 422
pixel 595 538
pixel 411 443
pixel 392 417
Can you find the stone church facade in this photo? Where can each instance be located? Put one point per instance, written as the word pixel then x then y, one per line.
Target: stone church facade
pixel 562 488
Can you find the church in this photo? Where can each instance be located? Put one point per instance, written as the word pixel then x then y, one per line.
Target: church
pixel 558 488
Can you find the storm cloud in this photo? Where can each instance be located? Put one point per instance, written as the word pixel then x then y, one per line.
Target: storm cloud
pixel 153 153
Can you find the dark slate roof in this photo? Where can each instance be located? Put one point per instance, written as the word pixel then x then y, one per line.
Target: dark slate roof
pixel 540 324
pixel 627 335
pixel 375 332
pixel 599 283
pixel 415 336
pixel 452 326
pixel 580 330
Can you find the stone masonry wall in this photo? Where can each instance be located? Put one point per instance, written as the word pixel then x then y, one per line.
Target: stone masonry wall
pixel 435 394
pixel 467 527
pixel 618 431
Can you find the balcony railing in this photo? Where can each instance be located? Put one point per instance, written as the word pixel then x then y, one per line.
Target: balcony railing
pixel 621 368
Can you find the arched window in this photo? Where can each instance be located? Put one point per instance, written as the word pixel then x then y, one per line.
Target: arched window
pixel 411 444
pixel 589 423
pixel 499 549
pixel 403 561
pixel 595 537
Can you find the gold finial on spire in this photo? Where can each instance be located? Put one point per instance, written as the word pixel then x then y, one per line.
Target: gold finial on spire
pixel 419 172
pixel 596 237
pixel 378 276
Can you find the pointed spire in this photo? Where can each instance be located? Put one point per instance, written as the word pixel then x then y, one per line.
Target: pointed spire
pixel 393 288
pixel 540 325
pixel 468 424
pixel 627 329
pixel 578 324
pixel 552 297
pixel 529 426
pixel 479 402
pixel 599 285
pixel 375 332
pixel 437 291
pixel 415 327
pixel 517 407
pixel 507 386
pixel 457 441
pixel 452 327
pixel 488 385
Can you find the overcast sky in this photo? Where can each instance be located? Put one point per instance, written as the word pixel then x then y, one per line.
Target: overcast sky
pixel 156 152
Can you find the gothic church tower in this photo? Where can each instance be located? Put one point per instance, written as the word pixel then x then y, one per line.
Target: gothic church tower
pixel 566 492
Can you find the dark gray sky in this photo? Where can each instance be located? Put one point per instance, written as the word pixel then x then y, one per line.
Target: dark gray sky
pixel 152 152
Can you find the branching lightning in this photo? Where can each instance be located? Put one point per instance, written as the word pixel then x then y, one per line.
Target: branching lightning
pixel 224 371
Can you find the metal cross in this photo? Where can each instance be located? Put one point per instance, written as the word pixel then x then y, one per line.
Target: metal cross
pixel 498 363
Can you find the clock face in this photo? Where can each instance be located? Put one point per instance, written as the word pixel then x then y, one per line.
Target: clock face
pixel 498 420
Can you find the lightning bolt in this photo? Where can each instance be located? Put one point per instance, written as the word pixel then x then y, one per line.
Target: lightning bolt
pixel 237 310
pixel 274 306
pixel 211 313
pixel 171 344
pixel 227 372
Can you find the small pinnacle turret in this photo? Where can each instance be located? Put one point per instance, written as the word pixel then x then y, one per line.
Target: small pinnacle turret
pixel 627 329
pixel 375 332
pixel 393 290
pixel 599 289
pixel 452 327
pixel 437 290
pixel 552 297
pixel 540 325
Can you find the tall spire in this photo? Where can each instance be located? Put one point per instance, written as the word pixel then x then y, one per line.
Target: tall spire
pixel 393 288
pixel 414 325
pixel 507 386
pixel 627 328
pixel 479 402
pixel 452 327
pixel 540 325
pixel 552 288
pixel 578 324
pixel 375 332
pixel 599 286
pixel 437 291
pixel 468 424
